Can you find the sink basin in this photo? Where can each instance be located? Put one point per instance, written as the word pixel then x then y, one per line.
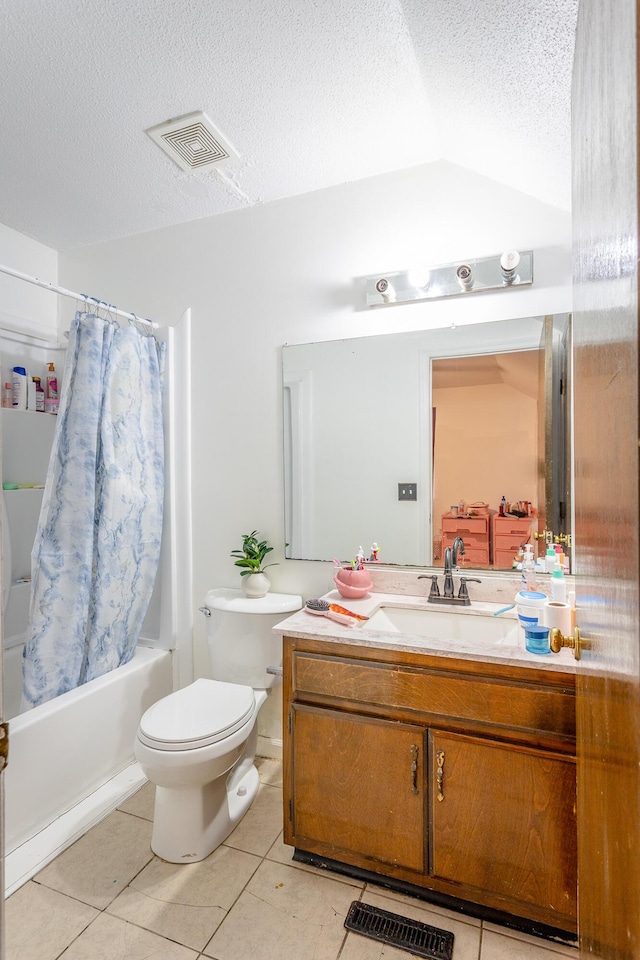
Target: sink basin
pixel 442 624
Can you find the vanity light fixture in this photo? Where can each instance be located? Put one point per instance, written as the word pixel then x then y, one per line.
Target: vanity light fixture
pixel 510 269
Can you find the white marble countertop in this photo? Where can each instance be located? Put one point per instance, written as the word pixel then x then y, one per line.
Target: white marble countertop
pixel 305 625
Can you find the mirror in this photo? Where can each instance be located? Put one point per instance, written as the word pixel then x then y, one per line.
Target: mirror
pixel 383 434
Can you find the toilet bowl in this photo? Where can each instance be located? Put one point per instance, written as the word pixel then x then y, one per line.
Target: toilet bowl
pixel 198 745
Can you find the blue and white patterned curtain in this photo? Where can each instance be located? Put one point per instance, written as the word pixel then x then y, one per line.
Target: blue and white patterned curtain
pixel 97 546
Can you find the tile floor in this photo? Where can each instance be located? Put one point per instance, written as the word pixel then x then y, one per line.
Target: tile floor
pixel 109 898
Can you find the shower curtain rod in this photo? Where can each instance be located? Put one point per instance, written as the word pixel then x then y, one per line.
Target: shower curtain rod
pixel 74 296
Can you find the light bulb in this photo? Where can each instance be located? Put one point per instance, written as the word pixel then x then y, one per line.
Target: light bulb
pixel 419 276
pixel 510 260
pixel 509 264
pixel 465 276
pixel 386 290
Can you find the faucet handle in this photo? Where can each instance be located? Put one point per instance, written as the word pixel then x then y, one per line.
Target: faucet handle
pixel 463 593
pixel 435 590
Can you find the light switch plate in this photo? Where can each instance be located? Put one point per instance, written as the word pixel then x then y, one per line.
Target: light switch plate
pixel 407 491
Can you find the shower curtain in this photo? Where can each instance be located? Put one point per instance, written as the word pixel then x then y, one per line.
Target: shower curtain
pixel 97 546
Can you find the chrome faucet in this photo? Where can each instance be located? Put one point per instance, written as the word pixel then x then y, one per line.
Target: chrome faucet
pixel 451 555
pixel 451 563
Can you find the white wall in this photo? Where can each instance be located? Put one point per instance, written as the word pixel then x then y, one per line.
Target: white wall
pixel 284 273
pixel 23 305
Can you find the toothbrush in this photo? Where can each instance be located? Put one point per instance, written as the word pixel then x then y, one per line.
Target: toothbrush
pixel 497 613
pixel 322 608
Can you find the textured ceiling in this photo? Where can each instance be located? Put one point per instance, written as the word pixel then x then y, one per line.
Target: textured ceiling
pixel 311 93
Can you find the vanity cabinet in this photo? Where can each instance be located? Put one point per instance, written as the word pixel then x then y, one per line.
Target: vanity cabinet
pixel 499 815
pixel 476 533
pixel 357 785
pixel 455 776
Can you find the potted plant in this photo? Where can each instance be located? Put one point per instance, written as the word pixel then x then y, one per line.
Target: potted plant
pixel 254 581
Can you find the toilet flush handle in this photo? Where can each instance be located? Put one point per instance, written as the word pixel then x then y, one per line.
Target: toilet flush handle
pixel 205 610
pixel 276 671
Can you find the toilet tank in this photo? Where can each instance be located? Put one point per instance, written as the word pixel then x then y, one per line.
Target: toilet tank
pixel 241 642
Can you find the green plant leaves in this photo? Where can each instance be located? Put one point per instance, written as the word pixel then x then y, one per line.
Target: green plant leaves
pixel 252 554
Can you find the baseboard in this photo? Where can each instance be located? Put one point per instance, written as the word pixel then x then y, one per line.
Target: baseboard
pixel 33 855
pixel 269 747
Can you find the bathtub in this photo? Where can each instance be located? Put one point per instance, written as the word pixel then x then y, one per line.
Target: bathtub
pixel 64 752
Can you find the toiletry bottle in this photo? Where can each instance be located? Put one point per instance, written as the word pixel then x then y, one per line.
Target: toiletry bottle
pixel 7 395
pixel 19 388
pixel 51 394
pixel 503 507
pixel 529 581
pixel 571 600
pixel 31 394
pixel 550 559
pixel 39 395
pixel 558 585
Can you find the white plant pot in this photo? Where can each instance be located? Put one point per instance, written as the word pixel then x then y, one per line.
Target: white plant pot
pixel 255 585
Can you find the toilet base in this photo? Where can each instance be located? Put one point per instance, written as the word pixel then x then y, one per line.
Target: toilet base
pixel 190 822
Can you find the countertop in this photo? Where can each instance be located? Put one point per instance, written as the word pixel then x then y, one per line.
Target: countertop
pixel 306 625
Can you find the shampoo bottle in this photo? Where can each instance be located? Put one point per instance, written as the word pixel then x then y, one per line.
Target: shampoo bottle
pixel 19 388
pixel 39 395
pixel 51 394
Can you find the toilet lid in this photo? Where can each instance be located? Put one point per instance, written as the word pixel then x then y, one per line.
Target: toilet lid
pixel 197 715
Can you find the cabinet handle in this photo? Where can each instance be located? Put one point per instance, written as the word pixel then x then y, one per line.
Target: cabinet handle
pixel 440 773
pixel 414 768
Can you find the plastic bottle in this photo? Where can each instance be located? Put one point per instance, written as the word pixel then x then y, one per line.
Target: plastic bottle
pixel 19 388
pixel 503 507
pixel 39 395
pixel 558 585
pixel 571 600
pixel 51 393
pixel 529 581
pixel 550 559
pixel 7 395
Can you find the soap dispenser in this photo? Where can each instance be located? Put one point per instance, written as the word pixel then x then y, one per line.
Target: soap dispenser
pixel 529 581
pixel 558 585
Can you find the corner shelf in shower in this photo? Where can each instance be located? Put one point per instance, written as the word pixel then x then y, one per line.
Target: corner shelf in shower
pixel 26 447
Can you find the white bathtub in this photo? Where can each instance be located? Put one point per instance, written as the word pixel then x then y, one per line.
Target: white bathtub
pixel 64 751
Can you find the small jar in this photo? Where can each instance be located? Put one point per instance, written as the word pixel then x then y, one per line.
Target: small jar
pixel 537 639
pixel 453 509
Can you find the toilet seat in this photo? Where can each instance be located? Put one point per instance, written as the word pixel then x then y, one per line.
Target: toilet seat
pixel 203 713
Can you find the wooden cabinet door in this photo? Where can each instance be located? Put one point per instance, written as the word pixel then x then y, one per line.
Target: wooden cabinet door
pixel 358 785
pixel 502 819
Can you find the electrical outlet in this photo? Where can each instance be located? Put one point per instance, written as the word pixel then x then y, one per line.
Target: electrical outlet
pixel 407 491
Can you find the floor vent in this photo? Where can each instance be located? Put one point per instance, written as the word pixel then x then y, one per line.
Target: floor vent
pixel 418 938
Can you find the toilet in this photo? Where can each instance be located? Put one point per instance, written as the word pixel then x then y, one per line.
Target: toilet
pixel 198 744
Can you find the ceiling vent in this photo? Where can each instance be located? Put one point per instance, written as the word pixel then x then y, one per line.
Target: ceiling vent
pixel 193 142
